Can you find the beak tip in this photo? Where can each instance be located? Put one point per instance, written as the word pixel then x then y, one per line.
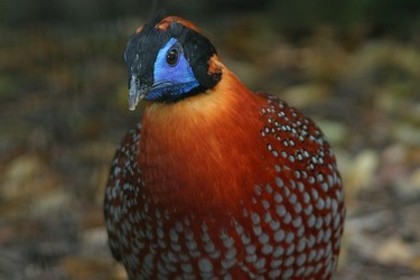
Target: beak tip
pixel 135 94
pixel 133 100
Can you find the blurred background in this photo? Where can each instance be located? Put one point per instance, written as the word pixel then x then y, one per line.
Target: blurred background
pixel 353 66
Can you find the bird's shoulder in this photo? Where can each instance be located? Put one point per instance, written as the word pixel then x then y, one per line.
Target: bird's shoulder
pixel 125 178
pixel 125 163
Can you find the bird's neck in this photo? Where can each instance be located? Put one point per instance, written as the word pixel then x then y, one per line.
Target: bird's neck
pixel 194 154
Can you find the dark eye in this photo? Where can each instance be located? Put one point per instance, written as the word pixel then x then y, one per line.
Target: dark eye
pixel 172 56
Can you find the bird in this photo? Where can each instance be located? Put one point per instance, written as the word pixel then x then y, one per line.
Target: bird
pixel 217 181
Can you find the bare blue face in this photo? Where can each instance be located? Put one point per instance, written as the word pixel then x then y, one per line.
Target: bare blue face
pixel 173 76
pixel 168 65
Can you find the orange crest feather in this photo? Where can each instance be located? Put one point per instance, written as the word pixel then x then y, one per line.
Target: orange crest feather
pixel 167 21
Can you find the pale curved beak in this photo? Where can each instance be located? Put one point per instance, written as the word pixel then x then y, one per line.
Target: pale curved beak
pixel 136 93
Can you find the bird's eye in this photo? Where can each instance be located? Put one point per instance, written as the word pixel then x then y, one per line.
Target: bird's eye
pixel 172 56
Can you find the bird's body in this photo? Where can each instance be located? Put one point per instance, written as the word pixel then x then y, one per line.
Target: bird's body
pixel 223 183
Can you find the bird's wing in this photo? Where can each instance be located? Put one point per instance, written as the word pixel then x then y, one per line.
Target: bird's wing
pixel 124 176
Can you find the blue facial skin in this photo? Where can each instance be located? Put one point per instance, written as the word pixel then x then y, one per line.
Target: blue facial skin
pixel 171 82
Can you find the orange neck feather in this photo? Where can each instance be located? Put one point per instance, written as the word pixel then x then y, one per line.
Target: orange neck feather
pixel 195 153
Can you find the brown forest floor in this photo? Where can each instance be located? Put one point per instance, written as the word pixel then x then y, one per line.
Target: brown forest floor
pixel 63 111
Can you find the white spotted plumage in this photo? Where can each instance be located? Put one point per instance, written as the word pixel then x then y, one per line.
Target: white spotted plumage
pixel 292 231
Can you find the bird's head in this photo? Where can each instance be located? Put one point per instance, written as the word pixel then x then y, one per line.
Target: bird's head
pixel 169 59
